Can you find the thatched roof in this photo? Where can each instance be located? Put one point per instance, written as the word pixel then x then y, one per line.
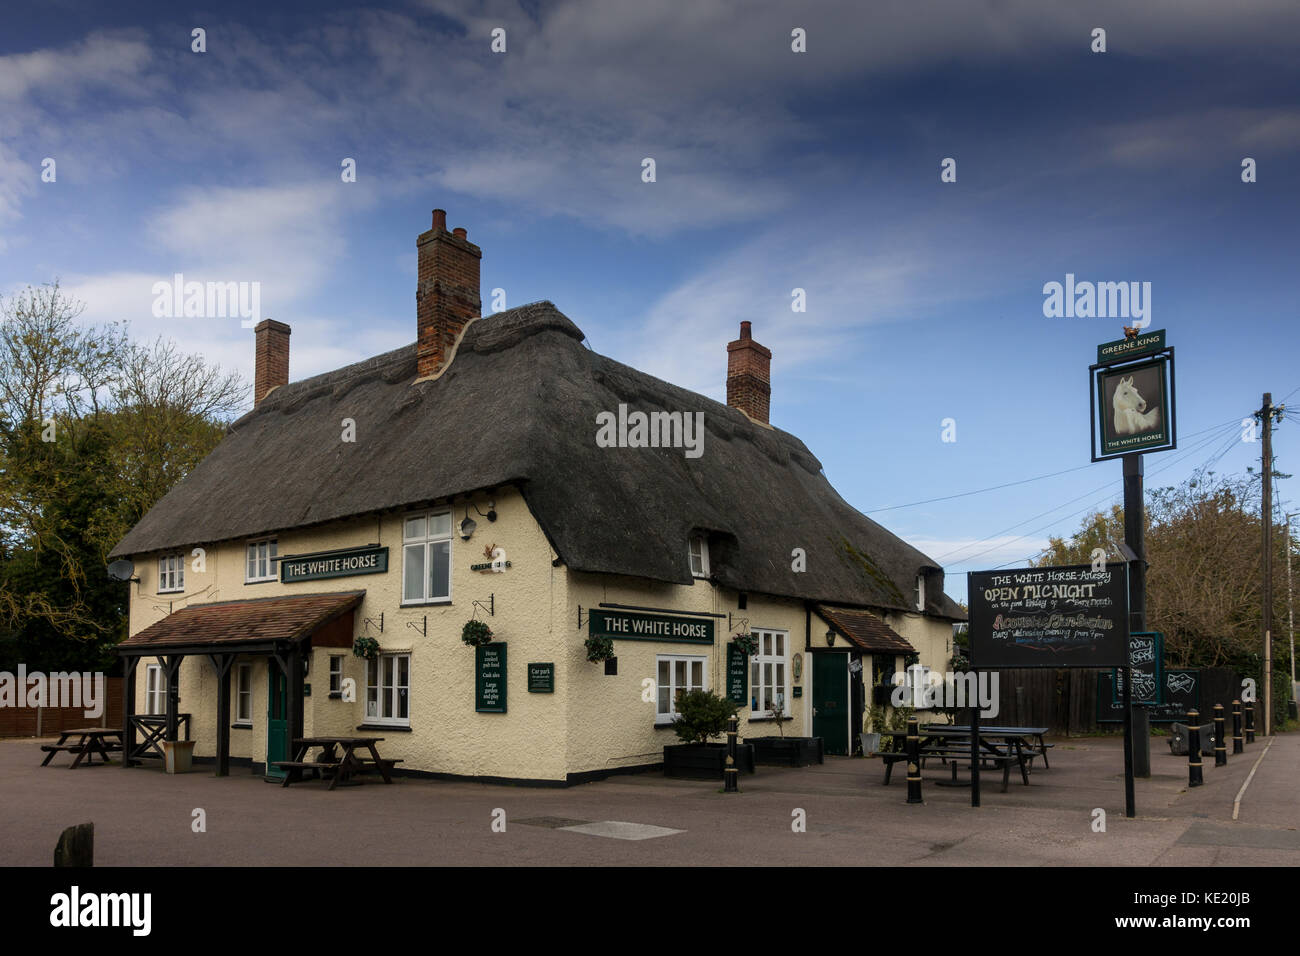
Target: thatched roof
pixel 518 406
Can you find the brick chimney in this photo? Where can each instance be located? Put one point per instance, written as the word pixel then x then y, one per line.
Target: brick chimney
pixel 446 292
pixel 272 363
pixel 749 378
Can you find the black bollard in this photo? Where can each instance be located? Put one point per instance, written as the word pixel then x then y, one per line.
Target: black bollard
pixel 1220 745
pixel 1250 723
pixel 731 773
pixel 76 846
pixel 1193 750
pixel 1237 745
pixel 913 762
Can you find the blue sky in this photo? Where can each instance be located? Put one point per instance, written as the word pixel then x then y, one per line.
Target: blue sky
pixel 775 170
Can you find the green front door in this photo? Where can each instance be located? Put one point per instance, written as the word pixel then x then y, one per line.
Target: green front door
pixel 831 701
pixel 277 720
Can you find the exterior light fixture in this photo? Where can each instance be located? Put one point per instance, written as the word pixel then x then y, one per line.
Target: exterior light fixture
pixel 830 637
pixel 468 525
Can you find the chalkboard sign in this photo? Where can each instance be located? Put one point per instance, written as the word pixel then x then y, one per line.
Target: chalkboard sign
pixel 490 678
pixel 541 678
pixel 1146 654
pixel 737 675
pixel 1068 616
pixel 1182 692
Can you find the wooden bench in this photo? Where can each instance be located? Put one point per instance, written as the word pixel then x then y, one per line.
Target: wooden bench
pixel 959 754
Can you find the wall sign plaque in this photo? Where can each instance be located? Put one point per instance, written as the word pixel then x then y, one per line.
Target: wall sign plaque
pixel 333 564
pixel 631 626
pixel 490 678
pixel 541 678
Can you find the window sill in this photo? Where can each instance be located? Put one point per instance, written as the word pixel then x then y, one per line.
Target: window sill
pixel 336 695
pixel 179 591
pixel 444 602
pixel 241 726
pixel 261 581
pixel 396 728
pixel 766 719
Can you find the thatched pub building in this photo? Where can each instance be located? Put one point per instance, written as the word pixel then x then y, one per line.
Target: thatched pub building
pixel 389 502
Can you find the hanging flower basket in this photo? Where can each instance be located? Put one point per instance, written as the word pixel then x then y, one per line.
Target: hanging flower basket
pixel 747 643
pixel 366 648
pixel 476 633
pixel 599 649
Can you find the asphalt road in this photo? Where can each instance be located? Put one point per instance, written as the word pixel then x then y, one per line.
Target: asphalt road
pixel 145 817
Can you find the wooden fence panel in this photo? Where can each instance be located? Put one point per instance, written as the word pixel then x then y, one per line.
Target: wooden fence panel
pixel 46 721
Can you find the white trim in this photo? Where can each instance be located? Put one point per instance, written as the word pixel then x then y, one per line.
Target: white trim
pixel 665 720
pixel 703 542
pixel 155 686
pixel 171 566
pixel 759 659
pixel 428 540
pixel 243 668
pixel 393 688
pixel 272 572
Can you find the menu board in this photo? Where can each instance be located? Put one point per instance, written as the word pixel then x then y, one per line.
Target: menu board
pixel 1071 616
pixel 1181 689
pixel 737 675
pixel 1146 654
pixel 490 678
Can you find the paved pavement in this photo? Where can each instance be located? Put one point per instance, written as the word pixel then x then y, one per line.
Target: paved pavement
pixel 144 817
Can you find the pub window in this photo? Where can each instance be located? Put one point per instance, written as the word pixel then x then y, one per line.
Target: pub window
pixel 699 556
pixel 171 572
pixel 388 690
pixel 155 690
pixel 336 675
pixel 920 592
pixel 426 558
pixel 244 694
pixel 676 675
pixel 261 564
pixel 767 675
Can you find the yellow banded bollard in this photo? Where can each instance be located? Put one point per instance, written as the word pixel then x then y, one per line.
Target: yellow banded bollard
pixel 1193 750
pixel 1220 745
pixel 1237 745
pixel 913 762
pixel 1250 723
pixel 731 773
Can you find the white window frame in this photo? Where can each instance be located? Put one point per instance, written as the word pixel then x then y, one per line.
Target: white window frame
pixel 375 669
pixel 260 556
pixel 698 550
pixel 155 690
pixel 920 591
pixel 171 573
pixel 243 692
pixel 775 660
pixel 428 541
pixel 336 674
pixel 664 718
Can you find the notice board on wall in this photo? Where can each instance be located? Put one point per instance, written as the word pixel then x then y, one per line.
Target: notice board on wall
pixel 737 675
pixel 490 678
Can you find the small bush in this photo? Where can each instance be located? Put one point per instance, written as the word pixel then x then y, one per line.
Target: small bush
pixel 702 714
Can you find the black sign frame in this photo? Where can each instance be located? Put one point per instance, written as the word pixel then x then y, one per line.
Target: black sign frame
pixel 541 677
pixel 1096 421
pixel 1110 651
pixel 1145 672
pixel 484 680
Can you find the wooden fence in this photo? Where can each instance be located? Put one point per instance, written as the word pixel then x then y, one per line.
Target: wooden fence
pixel 44 721
pixel 1066 700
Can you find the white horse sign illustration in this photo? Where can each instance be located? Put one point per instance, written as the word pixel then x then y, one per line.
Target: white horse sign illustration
pixel 1134 404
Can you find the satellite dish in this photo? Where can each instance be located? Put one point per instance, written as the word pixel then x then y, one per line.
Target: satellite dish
pixel 121 570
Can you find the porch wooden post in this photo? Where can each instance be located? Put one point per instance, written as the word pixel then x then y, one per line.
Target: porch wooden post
pixel 128 709
pixel 294 703
pixel 222 663
pixel 173 670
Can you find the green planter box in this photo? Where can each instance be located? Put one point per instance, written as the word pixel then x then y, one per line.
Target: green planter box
pixel 704 761
pixel 787 751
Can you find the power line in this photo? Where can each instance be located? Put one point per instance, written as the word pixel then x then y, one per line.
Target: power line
pixel 1197 446
pixel 1011 484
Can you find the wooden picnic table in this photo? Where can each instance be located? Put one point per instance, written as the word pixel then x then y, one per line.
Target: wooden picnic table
pixel 951 744
pixel 341 767
pixel 1039 750
pixel 90 741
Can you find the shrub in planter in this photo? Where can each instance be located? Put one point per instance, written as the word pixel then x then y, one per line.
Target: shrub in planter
pixel 702 714
pixel 366 648
pixel 599 649
pixel 476 633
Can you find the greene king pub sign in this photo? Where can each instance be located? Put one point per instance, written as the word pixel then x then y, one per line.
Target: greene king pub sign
pixel 333 564
pixel 649 627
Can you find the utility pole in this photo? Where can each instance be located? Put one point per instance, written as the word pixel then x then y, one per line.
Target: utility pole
pixel 1290 608
pixel 1266 415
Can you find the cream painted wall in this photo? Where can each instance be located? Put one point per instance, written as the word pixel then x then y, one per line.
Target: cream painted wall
pixel 590 723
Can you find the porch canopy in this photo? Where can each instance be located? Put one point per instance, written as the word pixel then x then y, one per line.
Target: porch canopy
pixel 864 630
pixel 283 628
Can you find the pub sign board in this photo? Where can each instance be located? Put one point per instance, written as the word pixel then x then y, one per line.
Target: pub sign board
pixel 490 678
pixel 1133 408
pixel 333 564
pixel 1146 654
pixel 628 625
pixel 1181 689
pixel 1070 616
